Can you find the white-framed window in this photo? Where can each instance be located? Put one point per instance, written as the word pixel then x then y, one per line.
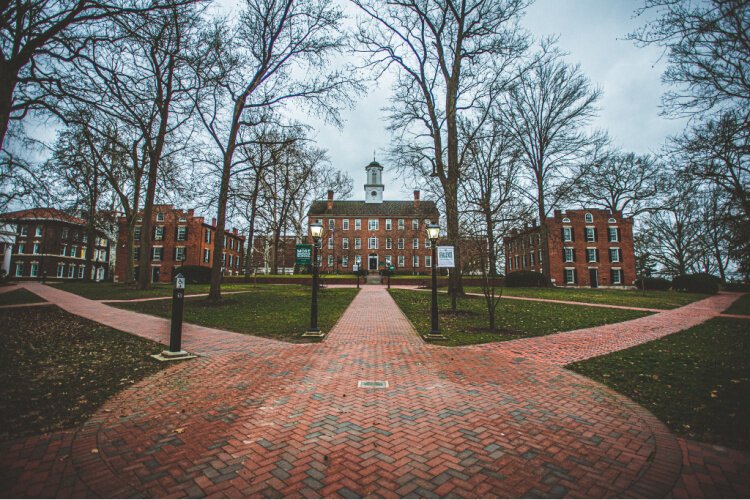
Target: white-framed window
pixel 160 217
pixel 36 248
pixel 615 255
pixel 388 243
pixel 21 248
pixel 523 261
pixel 357 243
pixel 358 260
pixel 400 261
pixel 206 255
pixel 181 233
pixel 568 255
pixel 588 218
pixel 345 261
pixel 331 224
pixel 591 255
pixel 616 276
pixel 330 260
pixel 613 234
pixel 372 224
pixel 388 260
pixel 81 270
pixel 345 224
pixel 137 253
pixel 61 270
pixel 428 261
pixel 38 232
pixel 24 230
pixel 65 232
pixel 415 243
pixel 388 224
pixel 74 251
pixel 415 224
pixel 567 234
pixel 157 253
pixel 531 259
pixel 427 243
pixel 85 238
pixel 590 234
pixel 159 233
pixel 401 224
pixel 182 219
pixel 518 261
pixel 63 250
pixel 179 254
pixel 357 224
pixel 71 271
pixel 34 270
pixel 400 243
pixel 415 261
pixel 566 220
pixel 208 236
pixel 330 243
pixel 137 233
pixel 570 276
pixel 345 243
pixel 372 243
pixel 19 268
pixel 540 256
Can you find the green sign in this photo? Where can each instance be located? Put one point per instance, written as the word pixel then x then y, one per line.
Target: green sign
pixel 304 255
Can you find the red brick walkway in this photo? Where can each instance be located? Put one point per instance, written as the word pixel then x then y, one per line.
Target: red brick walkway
pixel 254 417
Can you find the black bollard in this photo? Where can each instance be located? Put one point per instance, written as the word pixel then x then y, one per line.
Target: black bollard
pixel 178 302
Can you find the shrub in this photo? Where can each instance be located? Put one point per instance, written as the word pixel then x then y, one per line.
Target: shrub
pixel 526 278
pixel 194 274
pixel 659 284
pixel 737 287
pixel 696 283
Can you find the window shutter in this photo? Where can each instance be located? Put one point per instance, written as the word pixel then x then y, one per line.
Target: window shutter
pixel 176 232
pixel 575 275
pixel 619 254
pixel 612 276
pixel 619 236
pixel 562 234
pixel 597 255
pixel 573 236
pixel 573 251
pixel 174 253
pixel 184 254
pixel 596 236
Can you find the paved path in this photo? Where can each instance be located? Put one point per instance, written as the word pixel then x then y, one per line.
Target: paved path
pixel 254 417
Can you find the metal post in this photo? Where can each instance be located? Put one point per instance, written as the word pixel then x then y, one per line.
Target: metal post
pixel 314 306
pixel 175 351
pixel 435 330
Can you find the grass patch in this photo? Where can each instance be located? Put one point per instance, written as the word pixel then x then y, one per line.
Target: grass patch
pixel 740 306
pixel 628 298
pixel 279 312
pixel 514 319
pixel 696 381
pixel 59 368
pixel 19 296
pixel 121 291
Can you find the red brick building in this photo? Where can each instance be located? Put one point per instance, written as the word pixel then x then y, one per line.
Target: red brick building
pixel 588 248
pixel 263 255
pixel 52 244
pixel 179 239
pixel 374 233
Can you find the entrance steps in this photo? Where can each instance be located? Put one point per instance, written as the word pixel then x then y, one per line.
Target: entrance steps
pixel 374 279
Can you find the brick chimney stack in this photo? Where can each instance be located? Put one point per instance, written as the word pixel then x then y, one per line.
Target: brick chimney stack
pixel 330 200
pixel 234 230
pixel 213 221
pixel 416 199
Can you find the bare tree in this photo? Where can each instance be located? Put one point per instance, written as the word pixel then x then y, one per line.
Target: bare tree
pixel 450 57
pixel 278 51
pixel 546 111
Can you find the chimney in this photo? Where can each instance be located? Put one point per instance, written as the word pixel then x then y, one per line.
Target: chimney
pixel 213 221
pixel 416 199
pixel 191 212
pixel 330 200
pixel 533 222
pixel 234 230
pixel 558 214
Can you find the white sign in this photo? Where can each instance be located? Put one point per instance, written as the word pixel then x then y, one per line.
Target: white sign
pixel 355 268
pixel 179 282
pixel 445 256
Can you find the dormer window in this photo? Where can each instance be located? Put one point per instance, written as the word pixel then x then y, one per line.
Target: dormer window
pixel 589 218
pixel 160 217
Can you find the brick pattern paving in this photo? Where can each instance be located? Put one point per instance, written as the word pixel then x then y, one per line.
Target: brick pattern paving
pixel 254 417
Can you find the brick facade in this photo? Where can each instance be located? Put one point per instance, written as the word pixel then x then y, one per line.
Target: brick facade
pixel 179 239
pixel 374 233
pixel 52 244
pixel 588 248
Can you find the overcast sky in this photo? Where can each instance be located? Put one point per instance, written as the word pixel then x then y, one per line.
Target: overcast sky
pixel 593 33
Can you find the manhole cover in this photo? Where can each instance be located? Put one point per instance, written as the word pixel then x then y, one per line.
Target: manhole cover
pixel 373 384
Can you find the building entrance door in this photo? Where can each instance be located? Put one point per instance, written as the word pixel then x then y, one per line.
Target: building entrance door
pixel 594 278
pixel 372 263
pixel 155 274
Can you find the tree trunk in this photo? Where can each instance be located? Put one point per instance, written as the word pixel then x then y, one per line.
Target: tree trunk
pixel 144 274
pixel 8 82
pixel 491 254
pixel 214 294
pixel 129 236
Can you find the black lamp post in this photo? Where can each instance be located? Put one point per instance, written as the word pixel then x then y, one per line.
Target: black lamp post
pixel 433 231
pixel 316 230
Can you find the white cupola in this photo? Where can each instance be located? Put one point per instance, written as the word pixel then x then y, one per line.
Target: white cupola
pixel 374 185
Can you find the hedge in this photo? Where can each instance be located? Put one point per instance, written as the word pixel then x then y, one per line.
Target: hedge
pixel 696 283
pixel 659 284
pixel 526 279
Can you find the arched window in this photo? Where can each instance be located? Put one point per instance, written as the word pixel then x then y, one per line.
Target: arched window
pixel 589 218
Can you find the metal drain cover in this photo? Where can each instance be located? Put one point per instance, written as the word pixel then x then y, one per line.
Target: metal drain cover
pixel 372 384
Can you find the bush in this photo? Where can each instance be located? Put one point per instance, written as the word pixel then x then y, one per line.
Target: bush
pixel 696 283
pixel 194 274
pixel 526 278
pixel 737 287
pixel 659 284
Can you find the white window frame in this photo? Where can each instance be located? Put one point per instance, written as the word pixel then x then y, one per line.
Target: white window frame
pixel 572 280
pixel 388 260
pixel 34 271
pixel 61 270
pixel 159 233
pixel 81 270
pixel 19 268
pixel 415 243
pixel 331 224
pixel 589 253
pixel 357 224
pixel 330 243
pixel 358 260
pixel 22 248
pixel 357 243
pixel 427 243
pixel 65 233
pixel 592 232
pixel 415 261
pixel 181 233
pixel 415 224
pixel 616 251
pixel 206 255
pixel 567 254
pixel 38 232
pixel 330 260
pixel 428 261
pixel 207 237
pixel 35 248
pixel 401 224
pixel 567 234
pixel 400 243
pixel 345 243
pixel 372 243
pixel 345 261
pixel 71 271
pixel 74 251
pixel 345 224
pixel 619 276
pixel 400 261
pixel 612 235
pixel 63 250
pixel 588 218
pixel 388 224
pixel 373 224
pixel 177 256
pixel 159 216
pixel 388 243
pixel 161 254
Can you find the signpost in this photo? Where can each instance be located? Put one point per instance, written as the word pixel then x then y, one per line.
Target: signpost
pixel 175 351
pixel 446 256
pixel 303 256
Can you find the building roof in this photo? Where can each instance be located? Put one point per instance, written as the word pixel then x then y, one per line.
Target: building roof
pixel 42 214
pixel 386 208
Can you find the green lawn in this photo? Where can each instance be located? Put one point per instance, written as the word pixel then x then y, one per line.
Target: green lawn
pixel 57 369
pixel 121 291
pixel 696 381
pixel 630 298
pixel 279 312
pixel 19 296
pixel 740 306
pixel 515 319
